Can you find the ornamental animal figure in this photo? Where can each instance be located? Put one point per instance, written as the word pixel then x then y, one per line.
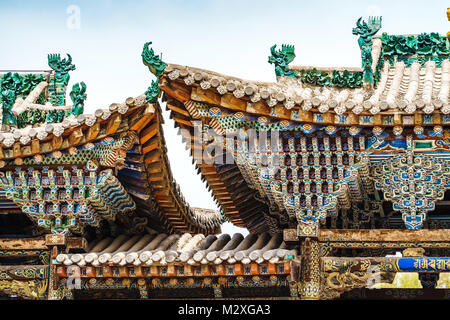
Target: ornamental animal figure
pixel 10 86
pixel 365 32
pixel 78 95
pixel 61 67
pixel 152 61
pixel 281 60
pixel 152 92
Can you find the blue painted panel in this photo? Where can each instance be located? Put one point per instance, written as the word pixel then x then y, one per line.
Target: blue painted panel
pixel 423 264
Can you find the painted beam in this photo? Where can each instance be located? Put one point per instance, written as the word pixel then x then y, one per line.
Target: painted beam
pixel 23 244
pixel 385 235
pixel 39 243
pixel 386 264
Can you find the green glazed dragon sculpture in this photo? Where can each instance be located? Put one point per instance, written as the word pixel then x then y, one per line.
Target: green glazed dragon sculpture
pixel 281 59
pixel 61 67
pixel 78 95
pixel 152 92
pixel 152 61
pixel 156 66
pixel 59 81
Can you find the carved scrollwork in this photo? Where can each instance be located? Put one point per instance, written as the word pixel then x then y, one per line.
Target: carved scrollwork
pixel 34 289
pixel 348 280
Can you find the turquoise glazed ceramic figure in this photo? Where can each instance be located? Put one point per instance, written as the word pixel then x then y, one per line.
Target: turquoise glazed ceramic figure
pixel 78 95
pixel 365 32
pixel 281 59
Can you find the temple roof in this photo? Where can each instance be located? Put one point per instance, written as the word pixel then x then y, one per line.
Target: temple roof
pixel 160 249
pixel 402 85
pixel 400 88
pixel 400 74
pixel 132 130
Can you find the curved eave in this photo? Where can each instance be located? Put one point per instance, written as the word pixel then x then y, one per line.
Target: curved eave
pixel 147 159
pixel 287 102
pixel 226 182
pixel 290 100
pixel 163 188
pixel 51 137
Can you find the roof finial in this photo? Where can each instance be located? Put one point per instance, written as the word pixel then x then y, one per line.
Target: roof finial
pixel 366 30
pixel 59 81
pixel 152 61
pixel 78 95
pixel 156 66
pixel 61 67
pixel 281 60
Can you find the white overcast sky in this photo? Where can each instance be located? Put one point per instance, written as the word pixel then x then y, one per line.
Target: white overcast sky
pixel 232 37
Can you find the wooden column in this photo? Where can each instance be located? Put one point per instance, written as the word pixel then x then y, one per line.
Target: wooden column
pixel 309 286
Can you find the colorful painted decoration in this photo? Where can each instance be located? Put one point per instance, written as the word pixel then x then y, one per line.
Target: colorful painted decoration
pixel 66 203
pixel 413 182
pixel 61 67
pixel 331 170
